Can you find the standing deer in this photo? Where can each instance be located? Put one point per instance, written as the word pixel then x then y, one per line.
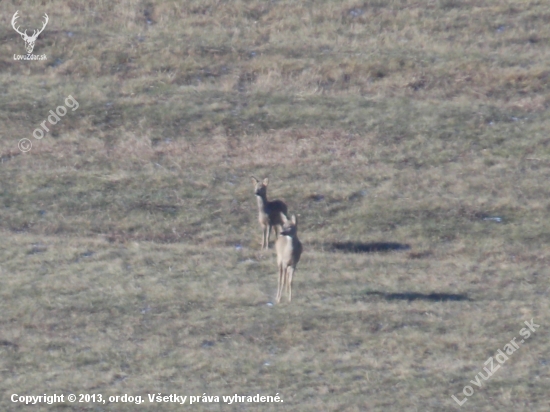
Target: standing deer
pixel 289 250
pixel 269 212
pixel 29 40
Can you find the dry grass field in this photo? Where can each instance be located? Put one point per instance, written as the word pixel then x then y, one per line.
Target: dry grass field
pixel 412 139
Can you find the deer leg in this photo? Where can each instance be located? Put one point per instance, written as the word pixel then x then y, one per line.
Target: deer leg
pixel 268 235
pixel 280 283
pixel 264 231
pixel 290 273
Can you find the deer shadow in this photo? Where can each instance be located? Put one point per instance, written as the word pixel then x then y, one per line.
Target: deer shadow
pixel 431 297
pixel 358 247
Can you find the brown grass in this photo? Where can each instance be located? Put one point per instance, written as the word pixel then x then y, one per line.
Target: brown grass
pixel 129 247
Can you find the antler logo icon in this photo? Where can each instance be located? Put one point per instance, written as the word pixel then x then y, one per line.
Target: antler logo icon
pixel 29 40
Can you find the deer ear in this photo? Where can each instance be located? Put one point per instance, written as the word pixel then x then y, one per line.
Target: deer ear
pixel 294 220
pixel 254 180
pixel 266 181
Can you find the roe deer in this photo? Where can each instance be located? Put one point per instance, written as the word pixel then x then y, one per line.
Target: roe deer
pixel 289 250
pixel 269 212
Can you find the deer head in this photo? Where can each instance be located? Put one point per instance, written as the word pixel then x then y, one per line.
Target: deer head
pixel 29 40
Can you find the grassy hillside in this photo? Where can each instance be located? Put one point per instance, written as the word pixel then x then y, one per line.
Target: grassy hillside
pixel 411 139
